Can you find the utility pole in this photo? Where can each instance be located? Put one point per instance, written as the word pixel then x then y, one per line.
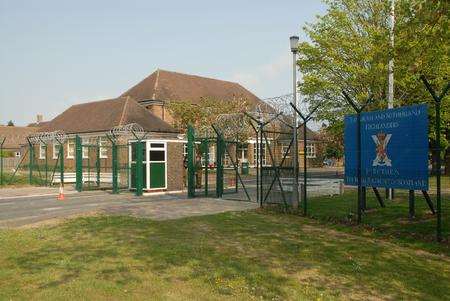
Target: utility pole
pixel 390 191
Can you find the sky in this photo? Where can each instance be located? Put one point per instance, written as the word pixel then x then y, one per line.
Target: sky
pixel 54 54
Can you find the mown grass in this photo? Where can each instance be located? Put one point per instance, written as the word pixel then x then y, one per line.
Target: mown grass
pixel 229 256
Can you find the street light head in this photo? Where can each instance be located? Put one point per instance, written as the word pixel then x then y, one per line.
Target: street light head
pixel 294 43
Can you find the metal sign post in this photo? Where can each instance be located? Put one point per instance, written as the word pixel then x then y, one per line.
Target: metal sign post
pixel 358 109
pixel 437 99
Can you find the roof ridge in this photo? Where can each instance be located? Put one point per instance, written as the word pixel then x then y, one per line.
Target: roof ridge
pixel 124 111
pixel 96 101
pixel 199 76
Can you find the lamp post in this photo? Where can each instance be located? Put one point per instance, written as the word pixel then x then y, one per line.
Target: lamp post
pixel 294 49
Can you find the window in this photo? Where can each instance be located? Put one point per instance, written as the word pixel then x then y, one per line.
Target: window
pixel 85 149
pixel 55 150
pixel 284 150
pixel 310 150
pixel 262 155
pixel 70 149
pixel 157 155
pixel 226 160
pixel 212 154
pixel 103 150
pixel 42 151
pixel 243 152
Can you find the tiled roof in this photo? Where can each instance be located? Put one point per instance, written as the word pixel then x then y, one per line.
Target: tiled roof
pixel 100 116
pixel 15 135
pixel 167 85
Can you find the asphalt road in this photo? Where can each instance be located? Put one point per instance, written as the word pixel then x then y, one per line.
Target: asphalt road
pixel 20 211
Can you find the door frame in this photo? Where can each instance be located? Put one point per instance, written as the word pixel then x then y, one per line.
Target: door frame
pixel 147 162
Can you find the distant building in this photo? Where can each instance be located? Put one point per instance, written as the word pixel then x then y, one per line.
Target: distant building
pixel 155 91
pixel 159 88
pixel 163 158
pixel 16 137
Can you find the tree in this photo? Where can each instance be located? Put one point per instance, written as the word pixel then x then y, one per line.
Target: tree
pixel 207 111
pixel 10 123
pixel 349 49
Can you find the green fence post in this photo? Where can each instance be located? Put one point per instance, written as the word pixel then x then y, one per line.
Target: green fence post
pixel 236 172
pixel 61 164
pixel 1 161
pixel 191 167
pixel 46 165
pixel 30 163
pixel 78 163
pixel 114 168
pixel 206 156
pixel 97 163
pixel 219 167
pixel 138 166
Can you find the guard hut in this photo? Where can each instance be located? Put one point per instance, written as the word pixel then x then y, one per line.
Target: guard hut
pixel 90 126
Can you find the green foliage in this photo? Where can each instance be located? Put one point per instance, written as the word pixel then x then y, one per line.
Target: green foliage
pixel 10 123
pixel 333 151
pixel 350 50
pixel 7 154
pixel 204 114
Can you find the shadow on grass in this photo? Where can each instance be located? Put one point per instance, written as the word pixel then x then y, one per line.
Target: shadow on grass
pixel 263 255
pixel 390 222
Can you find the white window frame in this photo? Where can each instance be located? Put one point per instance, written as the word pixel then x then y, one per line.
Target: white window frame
pixel 42 150
pixel 185 149
pixel 310 150
pixel 104 155
pixel 284 148
pixel 263 159
pixel 69 151
pixel 147 161
pixel 85 149
pixel 55 152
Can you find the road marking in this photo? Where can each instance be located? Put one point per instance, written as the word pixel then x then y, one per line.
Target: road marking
pixel 52 208
pixel 33 196
pixel 9 203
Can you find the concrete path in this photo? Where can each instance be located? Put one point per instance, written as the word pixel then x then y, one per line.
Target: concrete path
pixel 173 209
pixel 23 210
pixel 12 193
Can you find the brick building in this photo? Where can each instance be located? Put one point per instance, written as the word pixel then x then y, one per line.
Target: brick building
pixel 159 88
pixel 92 122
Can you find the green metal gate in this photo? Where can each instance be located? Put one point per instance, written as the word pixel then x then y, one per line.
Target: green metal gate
pixel 220 176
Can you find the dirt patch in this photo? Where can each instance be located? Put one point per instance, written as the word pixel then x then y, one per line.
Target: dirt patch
pixel 59 220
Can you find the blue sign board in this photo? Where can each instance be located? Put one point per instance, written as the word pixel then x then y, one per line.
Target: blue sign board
pixel 394 148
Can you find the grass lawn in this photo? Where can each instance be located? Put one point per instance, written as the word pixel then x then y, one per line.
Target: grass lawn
pixel 229 256
pixel 391 222
pixel 20 179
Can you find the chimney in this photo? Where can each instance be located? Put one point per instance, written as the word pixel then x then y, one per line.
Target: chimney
pixel 39 118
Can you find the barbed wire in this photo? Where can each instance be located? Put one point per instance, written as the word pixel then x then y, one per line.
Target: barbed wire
pixel 233 126
pixel 282 104
pixel 124 131
pixel 45 137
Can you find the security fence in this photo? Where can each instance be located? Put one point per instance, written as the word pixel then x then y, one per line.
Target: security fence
pixel 109 161
pixel 214 167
